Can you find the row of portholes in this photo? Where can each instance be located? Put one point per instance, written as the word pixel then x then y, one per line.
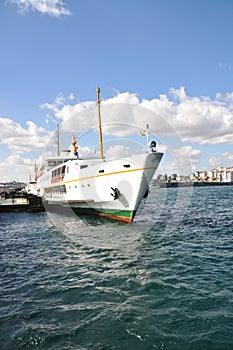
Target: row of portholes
pixel 88 185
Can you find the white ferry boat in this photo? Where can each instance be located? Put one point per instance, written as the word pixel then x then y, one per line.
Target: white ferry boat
pixel 31 188
pixel 111 188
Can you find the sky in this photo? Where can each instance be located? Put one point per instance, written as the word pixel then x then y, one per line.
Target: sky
pixel 165 63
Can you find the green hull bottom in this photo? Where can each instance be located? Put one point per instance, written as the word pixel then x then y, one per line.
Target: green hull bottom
pixel 120 215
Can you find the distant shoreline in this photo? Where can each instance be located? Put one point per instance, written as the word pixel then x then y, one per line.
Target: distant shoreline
pixel 192 184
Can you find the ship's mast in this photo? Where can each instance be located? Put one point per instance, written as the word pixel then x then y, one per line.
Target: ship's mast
pixel 58 140
pixel 147 135
pixel 99 123
pixel 35 171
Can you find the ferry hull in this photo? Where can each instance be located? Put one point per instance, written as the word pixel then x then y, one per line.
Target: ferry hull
pixel 111 189
pixel 121 215
pixel 126 216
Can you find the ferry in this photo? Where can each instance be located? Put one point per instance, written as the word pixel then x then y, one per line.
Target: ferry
pixel 112 188
pixel 31 188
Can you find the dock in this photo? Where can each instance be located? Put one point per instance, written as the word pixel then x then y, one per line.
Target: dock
pixel 14 205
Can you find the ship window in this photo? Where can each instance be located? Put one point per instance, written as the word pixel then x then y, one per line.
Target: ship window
pixel 51 164
pixel 67 169
pixel 63 169
pixel 101 171
pixel 59 189
pixel 126 165
pixel 83 166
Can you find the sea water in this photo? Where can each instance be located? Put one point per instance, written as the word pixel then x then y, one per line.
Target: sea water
pixel 163 282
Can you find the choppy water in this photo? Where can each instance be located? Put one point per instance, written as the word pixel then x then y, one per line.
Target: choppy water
pixel 163 282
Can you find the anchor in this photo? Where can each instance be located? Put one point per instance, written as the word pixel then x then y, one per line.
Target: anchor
pixel 116 193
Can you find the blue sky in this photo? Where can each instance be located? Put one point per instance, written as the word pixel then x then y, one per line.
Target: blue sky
pixel 174 57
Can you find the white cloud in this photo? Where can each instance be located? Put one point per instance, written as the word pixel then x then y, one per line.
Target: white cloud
pixel 183 159
pixel 117 151
pixel 17 168
pixel 124 97
pixel 86 152
pixel 58 104
pixel 174 118
pixel 195 119
pixel 221 159
pixel 179 94
pixel 20 140
pixel 228 157
pixel 214 162
pixel 17 160
pixel 54 8
pixel 194 154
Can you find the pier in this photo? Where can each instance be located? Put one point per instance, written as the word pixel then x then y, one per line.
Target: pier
pixel 14 205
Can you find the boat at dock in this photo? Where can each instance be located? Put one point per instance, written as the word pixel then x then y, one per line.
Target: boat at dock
pixel 31 188
pixel 112 188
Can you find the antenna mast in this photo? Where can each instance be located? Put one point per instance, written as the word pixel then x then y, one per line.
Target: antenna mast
pixel 35 171
pixel 147 135
pixel 58 140
pixel 99 123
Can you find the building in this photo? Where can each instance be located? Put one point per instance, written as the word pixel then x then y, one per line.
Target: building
pixel 219 174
